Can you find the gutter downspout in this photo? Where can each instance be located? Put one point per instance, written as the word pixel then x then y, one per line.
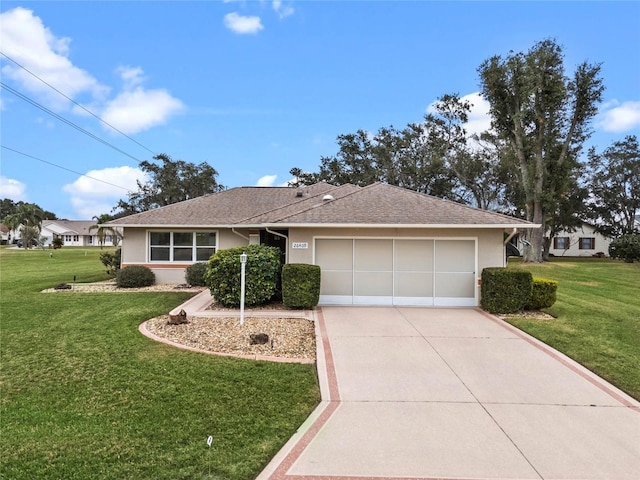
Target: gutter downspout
pixel 511 235
pixel 286 245
pixel 504 244
pixel 233 229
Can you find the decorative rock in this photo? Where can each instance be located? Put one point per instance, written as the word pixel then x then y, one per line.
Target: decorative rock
pixel 258 338
pixel 178 319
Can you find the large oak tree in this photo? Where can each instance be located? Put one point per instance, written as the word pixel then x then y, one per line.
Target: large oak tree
pixel 170 181
pixel 544 116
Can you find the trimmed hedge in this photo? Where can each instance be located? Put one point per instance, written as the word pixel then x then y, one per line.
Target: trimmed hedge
pixel 543 294
pixel 135 276
pixel 195 274
pixel 505 290
pixel 262 272
pixel 300 285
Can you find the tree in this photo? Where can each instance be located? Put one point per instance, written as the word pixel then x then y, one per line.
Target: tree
pixel 614 177
pixel 544 117
pixel 415 157
pixel 170 182
pixel 28 217
pixel 626 247
pixel 101 230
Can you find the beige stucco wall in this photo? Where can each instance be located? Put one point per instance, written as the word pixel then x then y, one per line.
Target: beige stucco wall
pixel 489 243
pixel 135 251
pixel 490 247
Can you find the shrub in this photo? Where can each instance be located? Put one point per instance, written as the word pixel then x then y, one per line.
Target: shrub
pixel 135 276
pixel 626 247
pixel 111 261
pixel 543 294
pixel 57 242
pixel 300 285
pixel 262 275
pixel 195 274
pixel 505 290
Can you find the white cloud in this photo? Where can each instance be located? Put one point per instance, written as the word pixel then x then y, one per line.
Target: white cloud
pixel 241 24
pixel 137 109
pixel 267 181
pixel 92 196
pixel 621 118
pixel 26 40
pixel 12 189
pixel 282 10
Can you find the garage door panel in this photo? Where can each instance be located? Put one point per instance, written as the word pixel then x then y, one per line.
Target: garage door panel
pixel 336 283
pixel 457 285
pixel 455 256
pixel 413 255
pixel 371 255
pixel 413 284
pixel 373 283
pixel 334 254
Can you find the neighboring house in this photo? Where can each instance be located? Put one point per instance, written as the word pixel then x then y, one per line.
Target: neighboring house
pixel 584 242
pixel 74 233
pixel 5 234
pixel 379 244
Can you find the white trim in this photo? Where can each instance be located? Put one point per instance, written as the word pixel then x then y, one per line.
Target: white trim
pixel 336 300
pixel 171 246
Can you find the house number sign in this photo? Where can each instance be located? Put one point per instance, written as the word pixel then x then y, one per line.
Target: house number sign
pixel 300 245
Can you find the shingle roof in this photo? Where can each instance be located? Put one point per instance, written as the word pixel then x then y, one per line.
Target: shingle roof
pixel 376 204
pixel 69 227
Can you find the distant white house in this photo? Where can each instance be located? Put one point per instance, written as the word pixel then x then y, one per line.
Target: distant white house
pixel 74 233
pixel 584 242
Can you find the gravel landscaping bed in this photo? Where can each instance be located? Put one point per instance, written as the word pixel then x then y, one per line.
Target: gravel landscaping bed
pixel 288 337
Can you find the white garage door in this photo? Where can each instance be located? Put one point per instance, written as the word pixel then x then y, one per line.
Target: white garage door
pixel 363 271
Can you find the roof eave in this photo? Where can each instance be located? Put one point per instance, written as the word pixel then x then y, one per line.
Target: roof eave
pixel 336 225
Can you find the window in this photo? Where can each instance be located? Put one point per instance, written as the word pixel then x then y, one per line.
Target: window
pixel 587 243
pixel 561 243
pixel 71 238
pixel 182 246
pixel 90 240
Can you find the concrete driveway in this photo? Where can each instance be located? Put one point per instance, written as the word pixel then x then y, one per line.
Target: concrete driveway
pixel 455 394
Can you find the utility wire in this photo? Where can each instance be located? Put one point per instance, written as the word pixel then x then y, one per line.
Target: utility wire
pixel 64 168
pixel 68 122
pixel 75 103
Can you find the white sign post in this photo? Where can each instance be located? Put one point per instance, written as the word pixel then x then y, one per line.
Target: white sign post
pixel 243 263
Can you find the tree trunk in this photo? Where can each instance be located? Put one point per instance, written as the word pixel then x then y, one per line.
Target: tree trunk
pixel 535 236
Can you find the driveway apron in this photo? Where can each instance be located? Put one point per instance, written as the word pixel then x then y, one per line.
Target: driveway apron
pixel 427 393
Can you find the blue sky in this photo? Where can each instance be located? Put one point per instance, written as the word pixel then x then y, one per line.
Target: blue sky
pixel 255 88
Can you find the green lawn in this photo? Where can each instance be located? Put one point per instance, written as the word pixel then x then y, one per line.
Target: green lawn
pixel 85 396
pixel 598 316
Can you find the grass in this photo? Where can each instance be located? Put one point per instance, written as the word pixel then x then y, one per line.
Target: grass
pixel 598 316
pixel 85 396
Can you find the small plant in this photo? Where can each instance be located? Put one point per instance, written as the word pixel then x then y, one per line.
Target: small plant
pixel 195 274
pixel 111 261
pixel 57 243
pixel 135 276
pixel 62 286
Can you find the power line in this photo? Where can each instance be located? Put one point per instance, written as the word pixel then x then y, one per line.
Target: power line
pixel 64 120
pixel 64 168
pixel 75 103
